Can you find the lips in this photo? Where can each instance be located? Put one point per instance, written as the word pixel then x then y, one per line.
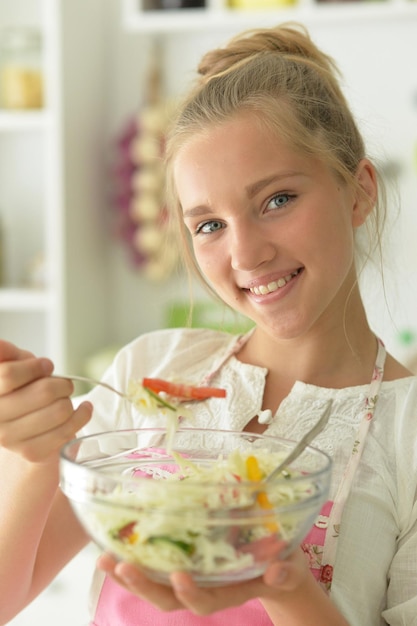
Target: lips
pixel 274 285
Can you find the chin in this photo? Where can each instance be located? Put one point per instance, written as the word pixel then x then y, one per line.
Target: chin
pixel 289 331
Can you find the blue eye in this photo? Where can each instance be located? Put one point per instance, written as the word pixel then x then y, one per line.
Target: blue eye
pixel 209 227
pixel 278 201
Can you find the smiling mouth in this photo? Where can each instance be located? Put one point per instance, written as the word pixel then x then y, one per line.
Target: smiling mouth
pixel 274 285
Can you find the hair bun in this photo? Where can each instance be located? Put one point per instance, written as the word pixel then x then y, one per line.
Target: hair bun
pixel 290 40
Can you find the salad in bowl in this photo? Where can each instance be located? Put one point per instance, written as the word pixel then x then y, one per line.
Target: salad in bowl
pixel 193 499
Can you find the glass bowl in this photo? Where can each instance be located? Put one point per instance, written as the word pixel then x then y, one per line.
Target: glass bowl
pixel 191 500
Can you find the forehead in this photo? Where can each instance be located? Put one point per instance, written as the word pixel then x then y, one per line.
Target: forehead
pixel 241 148
pixel 241 138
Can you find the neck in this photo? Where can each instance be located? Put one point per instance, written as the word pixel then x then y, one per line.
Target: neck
pixel 337 355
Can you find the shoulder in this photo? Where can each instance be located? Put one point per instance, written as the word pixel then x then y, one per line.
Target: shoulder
pixel 396 421
pixel 175 352
pixel 398 398
pixel 406 403
pixel 404 390
pixel 394 370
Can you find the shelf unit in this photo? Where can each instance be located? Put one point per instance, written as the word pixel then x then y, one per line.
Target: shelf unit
pixel 217 15
pixel 30 191
pixel 52 300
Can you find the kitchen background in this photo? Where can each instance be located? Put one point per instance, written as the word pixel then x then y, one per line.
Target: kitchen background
pixel 84 90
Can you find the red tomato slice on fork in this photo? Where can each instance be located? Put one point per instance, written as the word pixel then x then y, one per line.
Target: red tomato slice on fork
pixel 178 390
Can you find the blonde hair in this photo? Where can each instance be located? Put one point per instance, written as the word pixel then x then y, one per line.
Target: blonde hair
pixel 288 84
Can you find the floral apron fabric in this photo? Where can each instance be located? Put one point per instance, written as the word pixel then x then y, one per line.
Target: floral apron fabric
pixel 118 607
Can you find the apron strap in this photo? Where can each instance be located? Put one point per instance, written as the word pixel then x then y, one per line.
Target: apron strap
pixel 332 535
pixel 233 349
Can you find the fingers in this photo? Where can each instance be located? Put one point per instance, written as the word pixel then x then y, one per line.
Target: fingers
pixel 207 600
pixel 132 579
pixel 198 600
pixel 39 437
pixel 28 393
pixel 281 576
pixel 264 549
pixel 10 352
pixel 288 574
pixel 277 575
pixel 36 413
pixel 185 593
pixel 22 370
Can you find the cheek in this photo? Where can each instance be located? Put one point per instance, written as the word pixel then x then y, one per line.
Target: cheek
pixel 326 241
pixel 214 264
pixel 206 261
pixel 339 250
pixel 201 254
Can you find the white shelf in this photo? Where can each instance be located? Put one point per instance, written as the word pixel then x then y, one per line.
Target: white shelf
pixel 217 16
pixel 11 121
pixel 24 300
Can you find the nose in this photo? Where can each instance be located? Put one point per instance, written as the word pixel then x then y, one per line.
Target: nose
pixel 250 246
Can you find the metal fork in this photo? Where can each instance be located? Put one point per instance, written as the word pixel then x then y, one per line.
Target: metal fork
pixel 91 381
pixel 303 443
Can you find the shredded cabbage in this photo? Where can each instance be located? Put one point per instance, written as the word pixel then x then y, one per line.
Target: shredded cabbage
pixel 185 517
pixel 150 403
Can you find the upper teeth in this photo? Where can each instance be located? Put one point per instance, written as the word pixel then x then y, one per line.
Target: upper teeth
pixel 262 290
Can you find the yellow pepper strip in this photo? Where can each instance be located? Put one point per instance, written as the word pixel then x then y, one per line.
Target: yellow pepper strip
pixel 263 500
pixel 253 470
pixel 255 474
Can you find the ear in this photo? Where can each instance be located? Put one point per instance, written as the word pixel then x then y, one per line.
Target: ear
pixel 366 194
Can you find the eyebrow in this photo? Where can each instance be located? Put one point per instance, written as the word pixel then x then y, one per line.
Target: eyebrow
pixel 255 188
pixel 251 191
pixel 196 211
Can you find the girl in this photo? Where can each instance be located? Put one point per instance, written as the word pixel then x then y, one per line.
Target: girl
pixel 271 185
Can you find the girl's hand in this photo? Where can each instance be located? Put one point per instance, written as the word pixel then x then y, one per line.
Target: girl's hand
pixel 36 414
pixel 282 577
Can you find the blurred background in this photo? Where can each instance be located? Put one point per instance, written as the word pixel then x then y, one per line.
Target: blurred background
pixel 86 260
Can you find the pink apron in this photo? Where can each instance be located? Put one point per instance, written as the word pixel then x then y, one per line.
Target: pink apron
pixel 118 607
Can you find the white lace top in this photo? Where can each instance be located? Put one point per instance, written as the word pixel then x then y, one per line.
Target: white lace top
pixel 375 576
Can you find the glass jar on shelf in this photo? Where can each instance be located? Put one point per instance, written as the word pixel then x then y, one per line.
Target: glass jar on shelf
pixel 21 76
pixel 152 5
